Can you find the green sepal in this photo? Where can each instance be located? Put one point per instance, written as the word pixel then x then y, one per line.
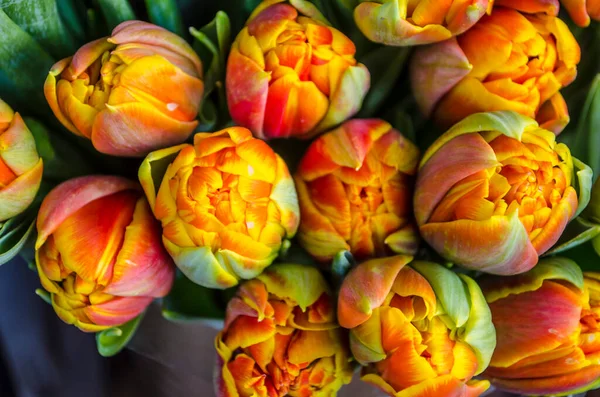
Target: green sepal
pixel 583 184
pixel 577 232
pixel 166 14
pixel 450 291
pixel 45 295
pixel 189 301
pixel 111 341
pixel 385 65
pixel 116 11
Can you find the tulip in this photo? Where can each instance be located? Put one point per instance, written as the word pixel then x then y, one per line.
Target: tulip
pixel 582 10
pixel 98 252
pixel 404 23
pixel 20 165
pixel 548 328
pixel 507 61
pixel 496 191
pixel 226 204
pixel 418 330
pixel 281 339
pixel 355 188
pixel 133 92
pixel 290 74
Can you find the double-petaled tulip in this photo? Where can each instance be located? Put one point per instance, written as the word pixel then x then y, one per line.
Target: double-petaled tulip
pixel 496 191
pixel 419 330
pixel 226 203
pixel 20 165
pixel 98 252
pixel 281 338
pixel 133 92
pixel 290 74
pixel 406 23
pixel 507 61
pixel 548 330
pixel 355 187
pixel 581 11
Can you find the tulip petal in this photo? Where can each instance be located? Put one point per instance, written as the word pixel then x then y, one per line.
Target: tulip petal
pixel 117 311
pixel 21 192
pixel 17 147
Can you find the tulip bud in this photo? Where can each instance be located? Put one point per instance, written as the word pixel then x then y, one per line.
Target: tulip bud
pixel 418 330
pixel 226 205
pixel 548 325
pixel 98 252
pixel 355 187
pixel 507 61
pixel 403 23
pixel 496 191
pixel 20 165
pixel 133 92
pixel 280 338
pixel 582 10
pixel 289 74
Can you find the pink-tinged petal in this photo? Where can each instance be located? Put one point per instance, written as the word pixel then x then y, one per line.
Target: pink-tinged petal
pixel 143 267
pixel 72 195
pixel 19 194
pixel 498 245
pixel 534 322
pixel 462 156
pixel 84 57
pixel 434 70
pixel 267 25
pixel 366 287
pixel 116 130
pixel 117 311
pixel 247 90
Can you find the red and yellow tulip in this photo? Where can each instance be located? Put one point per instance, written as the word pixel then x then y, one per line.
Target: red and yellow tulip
pixel 419 330
pixel 20 165
pixel 507 61
pixel 548 329
pixel 281 339
pixel 98 252
pixel 355 187
pixel 496 191
pixel 406 23
pixel 291 74
pixel 118 91
pixel 581 11
pixel 226 203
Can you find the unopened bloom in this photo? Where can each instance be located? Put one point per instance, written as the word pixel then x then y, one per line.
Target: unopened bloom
pixel 355 187
pixel 420 330
pixel 548 329
pixel 290 74
pixel 281 338
pixel 136 91
pixel 98 252
pixel 405 23
pixel 496 191
pixel 507 61
pixel 226 203
pixel 20 165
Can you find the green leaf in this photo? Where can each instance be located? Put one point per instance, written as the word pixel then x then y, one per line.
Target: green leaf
pixel 583 184
pixel 111 341
pixel 73 15
pixel 585 256
pixel 587 138
pixel 116 11
pixel 166 14
pixel 295 254
pixel 576 233
pixel 188 301
pixel 45 295
pixel 24 65
pixel 41 19
pixel 14 235
pixel 385 65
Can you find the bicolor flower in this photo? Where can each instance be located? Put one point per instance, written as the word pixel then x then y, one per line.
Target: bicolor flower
pixel 133 92
pixel 98 252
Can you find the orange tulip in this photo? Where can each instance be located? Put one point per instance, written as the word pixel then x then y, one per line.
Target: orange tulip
pixel 98 252
pixel 406 23
pixel 548 327
pixel 582 10
pixel 355 188
pixel 226 203
pixel 507 61
pixel 419 330
pixel 133 92
pixel 20 165
pixel 496 191
pixel 290 74
pixel 281 338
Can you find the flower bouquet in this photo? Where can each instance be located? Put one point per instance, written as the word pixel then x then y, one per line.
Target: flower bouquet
pixel 398 190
